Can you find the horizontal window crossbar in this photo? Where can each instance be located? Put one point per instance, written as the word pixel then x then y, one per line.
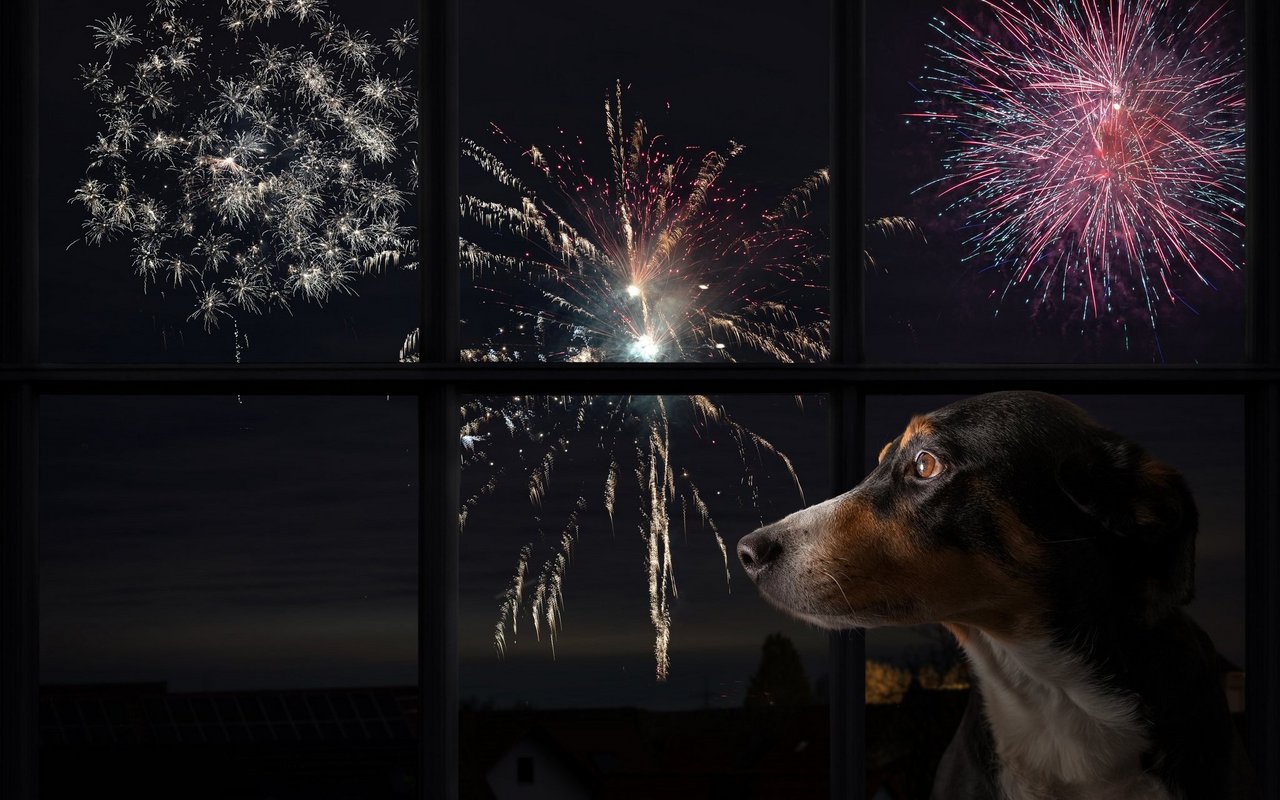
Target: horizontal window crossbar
pixel 408 379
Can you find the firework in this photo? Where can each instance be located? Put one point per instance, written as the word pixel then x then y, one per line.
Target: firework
pixel 655 258
pixel 249 159
pixel 252 174
pixel 1096 147
pixel 531 436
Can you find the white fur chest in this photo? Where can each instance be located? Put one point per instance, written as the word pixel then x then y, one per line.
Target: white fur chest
pixel 1059 734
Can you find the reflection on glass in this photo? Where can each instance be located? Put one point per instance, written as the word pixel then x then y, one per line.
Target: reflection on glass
pixel 606 630
pixel 1077 170
pixel 228 597
pixel 917 679
pixel 668 222
pixel 230 166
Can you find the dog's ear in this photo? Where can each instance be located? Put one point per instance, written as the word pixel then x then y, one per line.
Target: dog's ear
pixel 1143 506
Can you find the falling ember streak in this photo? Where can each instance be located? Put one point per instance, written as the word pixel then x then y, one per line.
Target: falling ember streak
pixel 1097 148
pixel 638 425
pixel 659 258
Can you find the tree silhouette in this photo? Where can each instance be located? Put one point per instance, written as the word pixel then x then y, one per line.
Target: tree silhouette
pixel 779 681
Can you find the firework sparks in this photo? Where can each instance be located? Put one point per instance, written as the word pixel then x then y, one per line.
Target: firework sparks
pixel 532 435
pixel 251 174
pixel 1096 148
pixel 657 258
pixel 255 174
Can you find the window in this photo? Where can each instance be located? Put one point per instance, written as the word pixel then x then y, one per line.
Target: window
pixel 62 356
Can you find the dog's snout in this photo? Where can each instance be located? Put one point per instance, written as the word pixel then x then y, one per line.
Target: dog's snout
pixel 758 550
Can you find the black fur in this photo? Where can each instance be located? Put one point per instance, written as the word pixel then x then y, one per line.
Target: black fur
pixel 1104 536
pixel 1119 533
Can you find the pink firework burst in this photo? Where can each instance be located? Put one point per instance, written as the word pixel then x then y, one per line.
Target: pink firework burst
pixel 1096 148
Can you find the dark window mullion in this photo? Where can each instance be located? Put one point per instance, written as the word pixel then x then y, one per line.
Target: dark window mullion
pixel 19 696
pixel 19 327
pixel 847 659
pixel 19 279
pixel 1262 579
pixel 438 456
pixel 847 649
pixel 846 183
pixel 625 378
pixel 1262 586
pixel 438 591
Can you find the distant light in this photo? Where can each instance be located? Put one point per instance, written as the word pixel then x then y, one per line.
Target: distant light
pixel 633 290
pixel 719 345
pixel 704 286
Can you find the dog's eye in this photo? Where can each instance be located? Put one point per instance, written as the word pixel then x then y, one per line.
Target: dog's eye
pixel 927 465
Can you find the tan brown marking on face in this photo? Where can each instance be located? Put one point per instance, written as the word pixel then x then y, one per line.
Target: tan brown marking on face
pixel 1027 551
pixel 884 451
pixel 872 564
pixel 919 426
pixel 957 630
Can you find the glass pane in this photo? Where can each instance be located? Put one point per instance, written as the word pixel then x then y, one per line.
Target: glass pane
pixel 228 597
pixel 644 184
pixel 1057 181
pixel 607 635
pixel 917 679
pixel 228 181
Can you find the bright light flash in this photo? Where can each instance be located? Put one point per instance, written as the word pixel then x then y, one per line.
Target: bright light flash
pixel 633 290
pixel 645 347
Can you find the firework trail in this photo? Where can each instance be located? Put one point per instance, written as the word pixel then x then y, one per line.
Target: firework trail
pixel 1096 146
pixel 531 435
pixel 656 257
pixel 249 160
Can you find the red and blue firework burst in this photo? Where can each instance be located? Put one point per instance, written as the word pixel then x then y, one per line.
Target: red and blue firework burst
pixel 1096 148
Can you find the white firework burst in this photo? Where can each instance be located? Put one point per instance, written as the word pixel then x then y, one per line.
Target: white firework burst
pixel 251 162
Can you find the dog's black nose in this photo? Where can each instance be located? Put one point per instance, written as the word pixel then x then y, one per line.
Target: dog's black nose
pixel 757 550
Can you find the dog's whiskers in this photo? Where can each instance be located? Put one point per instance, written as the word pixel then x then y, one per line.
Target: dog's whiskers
pixel 842 594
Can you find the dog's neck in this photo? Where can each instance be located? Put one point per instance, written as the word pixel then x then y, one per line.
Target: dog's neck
pixel 1058 730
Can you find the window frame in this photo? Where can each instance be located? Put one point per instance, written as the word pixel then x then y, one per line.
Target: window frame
pixel 439 378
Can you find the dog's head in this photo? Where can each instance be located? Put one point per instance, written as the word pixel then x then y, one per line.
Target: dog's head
pixel 998 511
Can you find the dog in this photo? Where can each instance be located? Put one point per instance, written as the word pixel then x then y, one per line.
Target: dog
pixel 1059 555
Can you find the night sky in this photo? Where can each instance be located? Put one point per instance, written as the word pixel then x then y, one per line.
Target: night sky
pixel 271 542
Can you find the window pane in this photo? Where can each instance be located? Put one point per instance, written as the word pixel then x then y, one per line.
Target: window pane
pixel 607 633
pixel 644 184
pixel 228 597
pixel 917 679
pixel 1046 200
pixel 228 181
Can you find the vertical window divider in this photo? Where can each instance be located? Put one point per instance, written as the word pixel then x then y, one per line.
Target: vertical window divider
pixel 1262 433
pixel 19 594
pixel 847 660
pixel 439 470
pixel 19 344
pixel 847 649
pixel 1262 586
